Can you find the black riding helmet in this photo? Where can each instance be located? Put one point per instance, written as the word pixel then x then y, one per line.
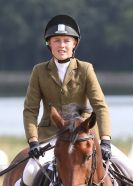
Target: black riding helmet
pixel 62 25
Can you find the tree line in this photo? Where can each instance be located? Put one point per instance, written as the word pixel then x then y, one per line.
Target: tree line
pixel 106 32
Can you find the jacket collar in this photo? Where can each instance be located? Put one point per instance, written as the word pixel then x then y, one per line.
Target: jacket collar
pixel 69 74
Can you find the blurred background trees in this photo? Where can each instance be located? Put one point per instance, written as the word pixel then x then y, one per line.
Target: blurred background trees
pixel 106 32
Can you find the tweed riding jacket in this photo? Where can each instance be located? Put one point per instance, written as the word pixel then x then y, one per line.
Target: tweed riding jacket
pixel 80 86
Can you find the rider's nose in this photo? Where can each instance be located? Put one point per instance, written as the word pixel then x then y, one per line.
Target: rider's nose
pixel 62 43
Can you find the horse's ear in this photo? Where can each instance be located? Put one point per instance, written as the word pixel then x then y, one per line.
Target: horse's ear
pixel 56 117
pixel 90 122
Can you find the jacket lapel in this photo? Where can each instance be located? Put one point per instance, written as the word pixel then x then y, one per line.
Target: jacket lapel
pixel 52 70
pixel 70 71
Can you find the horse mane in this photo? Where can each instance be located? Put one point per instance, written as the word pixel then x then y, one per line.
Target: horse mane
pixel 73 110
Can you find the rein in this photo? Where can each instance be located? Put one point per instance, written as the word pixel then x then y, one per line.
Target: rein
pixel 12 166
pixel 121 177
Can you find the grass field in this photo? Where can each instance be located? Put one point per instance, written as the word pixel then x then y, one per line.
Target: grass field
pixel 12 145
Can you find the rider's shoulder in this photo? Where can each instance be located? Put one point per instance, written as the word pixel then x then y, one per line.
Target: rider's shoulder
pixel 84 64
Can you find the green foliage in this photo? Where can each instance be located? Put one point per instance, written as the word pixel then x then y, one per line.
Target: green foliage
pixel 120 29
pixel 106 29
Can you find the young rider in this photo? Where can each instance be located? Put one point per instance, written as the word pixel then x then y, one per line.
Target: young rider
pixel 61 80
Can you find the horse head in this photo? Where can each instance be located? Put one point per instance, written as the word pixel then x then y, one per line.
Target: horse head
pixel 76 134
pixel 77 151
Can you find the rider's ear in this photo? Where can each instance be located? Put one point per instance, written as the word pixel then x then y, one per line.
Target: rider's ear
pixel 56 117
pixel 91 121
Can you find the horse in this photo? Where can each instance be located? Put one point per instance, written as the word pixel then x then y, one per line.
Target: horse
pixel 78 158
pixel 77 153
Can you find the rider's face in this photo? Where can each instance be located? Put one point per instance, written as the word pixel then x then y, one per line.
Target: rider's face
pixel 62 46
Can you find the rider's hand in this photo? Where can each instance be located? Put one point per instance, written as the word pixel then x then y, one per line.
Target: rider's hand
pixel 106 149
pixel 35 150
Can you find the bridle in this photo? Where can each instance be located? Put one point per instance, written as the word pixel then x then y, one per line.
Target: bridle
pixel 75 137
pixel 74 134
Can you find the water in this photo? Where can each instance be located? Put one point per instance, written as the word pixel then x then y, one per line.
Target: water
pixel 121 110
